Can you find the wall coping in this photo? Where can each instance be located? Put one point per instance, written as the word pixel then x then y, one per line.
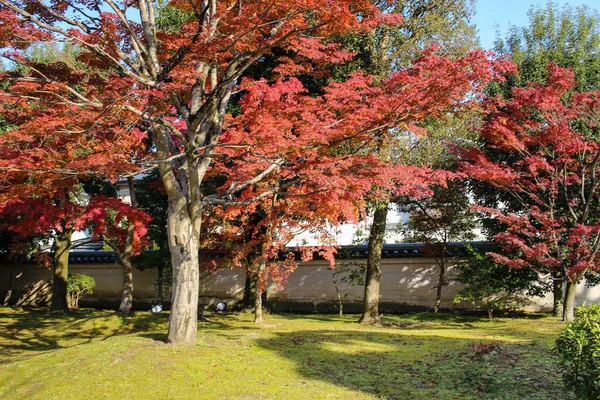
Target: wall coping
pixel 400 250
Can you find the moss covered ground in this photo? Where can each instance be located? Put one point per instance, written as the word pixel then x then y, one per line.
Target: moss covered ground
pixel 91 354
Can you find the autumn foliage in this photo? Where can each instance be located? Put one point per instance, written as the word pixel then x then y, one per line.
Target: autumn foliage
pixel 547 137
pixel 136 87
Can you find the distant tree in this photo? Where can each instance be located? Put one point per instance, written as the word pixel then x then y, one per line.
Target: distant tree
pixel 53 218
pixel 437 220
pixel 345 275
pixel 46 158
pixel 567 36
pixel 123 227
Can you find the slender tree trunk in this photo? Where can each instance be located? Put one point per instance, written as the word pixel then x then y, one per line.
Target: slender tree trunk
pixel 62 246
pixel 340 299
pixel 249 291
pixel 441 281
pixel 370 313
pixel 490 314
pixel 127 294
pixel 557 291
pixel 125 258
pixel 569 307
pixel 183 243
pixel 258 295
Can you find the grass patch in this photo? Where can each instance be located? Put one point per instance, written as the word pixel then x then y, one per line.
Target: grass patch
pixel 96 354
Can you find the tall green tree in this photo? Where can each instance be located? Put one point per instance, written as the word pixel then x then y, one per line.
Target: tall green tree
pixel 437 220
pixel 567 36
pixel 445 23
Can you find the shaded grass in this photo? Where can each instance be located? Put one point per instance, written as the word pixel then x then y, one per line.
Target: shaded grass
pixel 95 354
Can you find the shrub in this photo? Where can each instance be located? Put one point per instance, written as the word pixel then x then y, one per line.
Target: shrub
pixel 77 287
pixel 578 349
pixel 493 286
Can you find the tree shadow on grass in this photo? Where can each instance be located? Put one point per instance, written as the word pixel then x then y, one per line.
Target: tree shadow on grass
pixel 26 333
pixel 396 365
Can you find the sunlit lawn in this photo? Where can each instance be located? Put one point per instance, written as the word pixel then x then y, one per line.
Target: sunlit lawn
pixel 95 354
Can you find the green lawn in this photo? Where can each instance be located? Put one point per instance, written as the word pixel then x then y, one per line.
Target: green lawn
pixel 95 354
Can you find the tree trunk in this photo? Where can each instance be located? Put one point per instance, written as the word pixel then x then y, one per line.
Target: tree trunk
pixel 340 299
pixel 249 291
pixel 183 243
pixel 557 283
pixel 370 313
pixel 441 280
pixel 258 294
pixel 258 314
pixel 62 246
pixel 125 258
pixel 127 294
pixel 490 314
pixel 569 307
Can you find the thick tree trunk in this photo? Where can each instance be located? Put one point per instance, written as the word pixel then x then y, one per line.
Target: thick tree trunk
pixel 441 281
pixel 183 243
pixel 557 291
pixel 62 246
pixel 370 313
pixel 569 307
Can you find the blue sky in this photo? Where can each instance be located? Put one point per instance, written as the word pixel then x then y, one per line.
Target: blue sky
pixel 504 13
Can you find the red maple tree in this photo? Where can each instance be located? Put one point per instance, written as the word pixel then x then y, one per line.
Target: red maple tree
pixel 547 158
pixel 123 227
pixel 174 86
pixel 54 219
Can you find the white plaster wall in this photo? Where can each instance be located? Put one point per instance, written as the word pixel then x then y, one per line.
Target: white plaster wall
pixel 405 281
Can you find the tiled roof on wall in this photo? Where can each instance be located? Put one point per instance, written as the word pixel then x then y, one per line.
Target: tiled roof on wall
pixel 402 250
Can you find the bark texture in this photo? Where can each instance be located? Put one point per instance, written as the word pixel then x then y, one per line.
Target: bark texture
pixel 258 294
pixel 557 292
pixel 258 314
pixel 370 313
pixel 569 307
pixel 125 255
pixel 62 247
pixel 127 294
pixel 249 299
pixel 183 319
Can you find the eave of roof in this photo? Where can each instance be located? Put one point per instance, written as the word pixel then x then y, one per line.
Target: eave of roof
pixel 402 250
